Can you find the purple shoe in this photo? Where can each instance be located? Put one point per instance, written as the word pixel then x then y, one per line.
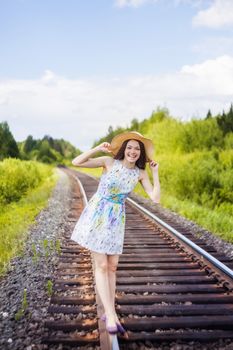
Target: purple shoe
pixel 110 329
pixel 120 328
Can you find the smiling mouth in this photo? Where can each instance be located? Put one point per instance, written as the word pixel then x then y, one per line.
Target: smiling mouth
pixel 132 156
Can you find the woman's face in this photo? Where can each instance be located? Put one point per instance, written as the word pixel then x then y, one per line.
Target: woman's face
pixel 132 151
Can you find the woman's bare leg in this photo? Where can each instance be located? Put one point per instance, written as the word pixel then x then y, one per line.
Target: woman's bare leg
pixel 102 285
pixel 112 267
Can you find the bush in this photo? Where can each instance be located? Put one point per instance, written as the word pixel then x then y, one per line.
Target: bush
pixel 17 177
pixel 205 178
pixel 201 135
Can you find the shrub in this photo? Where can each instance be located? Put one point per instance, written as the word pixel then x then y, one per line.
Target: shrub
pixel 17 177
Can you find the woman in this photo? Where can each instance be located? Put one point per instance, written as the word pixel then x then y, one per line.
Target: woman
pixel 100 227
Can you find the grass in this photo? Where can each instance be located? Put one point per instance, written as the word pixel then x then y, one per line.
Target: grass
pixel 16 218
pixel 219 222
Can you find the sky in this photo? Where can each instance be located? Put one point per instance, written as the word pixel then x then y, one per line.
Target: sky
pixel 72 68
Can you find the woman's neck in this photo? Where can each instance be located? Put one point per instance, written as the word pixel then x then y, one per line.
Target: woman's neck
pixel 127 164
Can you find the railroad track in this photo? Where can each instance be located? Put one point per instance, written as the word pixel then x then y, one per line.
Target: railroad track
pixel 166 291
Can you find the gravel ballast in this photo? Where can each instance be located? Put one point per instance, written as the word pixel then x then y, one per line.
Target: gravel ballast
pixel 33 276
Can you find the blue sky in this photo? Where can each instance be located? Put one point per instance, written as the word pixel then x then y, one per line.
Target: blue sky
pixel 71 68
pixel 79 38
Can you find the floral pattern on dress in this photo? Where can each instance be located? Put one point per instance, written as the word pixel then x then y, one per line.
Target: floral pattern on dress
pixel 101 225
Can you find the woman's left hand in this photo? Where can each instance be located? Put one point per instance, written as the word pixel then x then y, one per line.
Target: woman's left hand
pixel 154 166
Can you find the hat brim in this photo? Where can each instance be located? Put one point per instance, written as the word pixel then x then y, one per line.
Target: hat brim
pixel 117 141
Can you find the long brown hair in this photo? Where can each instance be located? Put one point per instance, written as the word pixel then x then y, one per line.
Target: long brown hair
pixel 141 162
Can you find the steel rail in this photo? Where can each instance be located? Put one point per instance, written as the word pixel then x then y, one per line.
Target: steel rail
pixel 194 246
pixel 81 189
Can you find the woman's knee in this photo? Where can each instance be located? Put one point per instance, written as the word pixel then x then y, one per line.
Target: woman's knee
pixel 112 263
pixel 100 262
pixel 102 266
pixel 112 267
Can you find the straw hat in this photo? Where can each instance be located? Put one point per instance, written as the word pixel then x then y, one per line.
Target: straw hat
pixel 132 135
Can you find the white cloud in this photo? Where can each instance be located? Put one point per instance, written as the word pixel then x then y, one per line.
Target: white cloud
pixel 218 14
pixel 82 110
pixel 214 46
pixel 213 76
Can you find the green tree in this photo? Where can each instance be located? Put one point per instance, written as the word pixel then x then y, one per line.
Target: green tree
pixel 49 139
pixel 225 121
pixel 208 115
pixel 200 135
pixel 8 145
pixel 29 144
pixel 110 129
pixel 45 153
pixel 134 124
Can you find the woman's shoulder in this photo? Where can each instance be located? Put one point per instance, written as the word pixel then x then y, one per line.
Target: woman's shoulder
pixel 108 164
pixel 108 160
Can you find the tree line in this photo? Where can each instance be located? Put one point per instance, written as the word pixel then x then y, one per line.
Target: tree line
pixel 196 134
pixel 47 150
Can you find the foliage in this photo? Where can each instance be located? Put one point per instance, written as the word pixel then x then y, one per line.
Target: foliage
pixel 16 217
pixel 29 144
pixel 8 145
pixel 205 178
pixel 48 150
pixel 49 287
pixel 24 305
pixel 225 121
pixel 17 177
pixel 173 135
pixel 209 114
pixel 200 135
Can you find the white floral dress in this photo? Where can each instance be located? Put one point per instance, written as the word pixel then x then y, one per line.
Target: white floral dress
pixel 101 226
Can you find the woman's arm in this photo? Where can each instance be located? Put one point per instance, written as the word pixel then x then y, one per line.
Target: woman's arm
pixel 84 160
pixel 152 191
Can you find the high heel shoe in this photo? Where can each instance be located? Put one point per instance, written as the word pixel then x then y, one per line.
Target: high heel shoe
pixel 120 328
pixel 110 329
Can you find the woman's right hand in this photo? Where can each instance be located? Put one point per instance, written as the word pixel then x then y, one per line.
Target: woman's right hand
pixel 104 147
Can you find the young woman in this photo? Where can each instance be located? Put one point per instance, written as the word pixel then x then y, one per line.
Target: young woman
pixel 101 225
